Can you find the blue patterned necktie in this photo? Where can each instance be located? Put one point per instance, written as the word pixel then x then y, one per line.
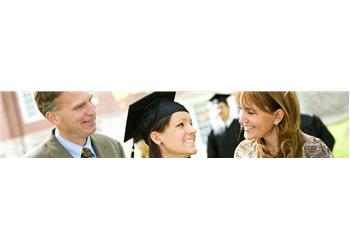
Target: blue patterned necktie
pixel 86 153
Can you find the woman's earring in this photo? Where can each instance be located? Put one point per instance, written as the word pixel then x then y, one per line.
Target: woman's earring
pixel 277 128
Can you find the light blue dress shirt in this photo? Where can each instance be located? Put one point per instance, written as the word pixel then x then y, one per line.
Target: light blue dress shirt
pixel 74 149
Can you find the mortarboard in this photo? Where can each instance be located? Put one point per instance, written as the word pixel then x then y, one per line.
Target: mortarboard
pixel 219 98
pixel 146 112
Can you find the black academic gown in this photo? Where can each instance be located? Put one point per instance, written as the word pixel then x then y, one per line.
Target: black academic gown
pixel 224 145
pixel 312 125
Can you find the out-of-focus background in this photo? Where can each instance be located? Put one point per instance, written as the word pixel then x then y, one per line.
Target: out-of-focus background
pixel 22 126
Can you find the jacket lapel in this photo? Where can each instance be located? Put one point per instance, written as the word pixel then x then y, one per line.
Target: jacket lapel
pixel 100 147
pixel 55 148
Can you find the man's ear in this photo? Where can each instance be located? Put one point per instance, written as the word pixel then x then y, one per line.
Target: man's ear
pixel 156 137
pixel 279 115
pixel 51 117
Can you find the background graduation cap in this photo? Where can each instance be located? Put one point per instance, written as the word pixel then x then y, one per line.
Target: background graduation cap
pixel 219 98
pixel 146 112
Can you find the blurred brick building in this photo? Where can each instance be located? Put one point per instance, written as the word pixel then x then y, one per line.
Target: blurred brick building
pixel 22 126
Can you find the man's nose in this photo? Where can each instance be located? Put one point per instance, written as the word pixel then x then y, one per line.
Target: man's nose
pixel 91 108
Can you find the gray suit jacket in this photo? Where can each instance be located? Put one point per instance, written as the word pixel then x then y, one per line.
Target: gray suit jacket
pixel 104 146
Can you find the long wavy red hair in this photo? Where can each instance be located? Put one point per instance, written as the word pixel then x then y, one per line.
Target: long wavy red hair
pixel 290 139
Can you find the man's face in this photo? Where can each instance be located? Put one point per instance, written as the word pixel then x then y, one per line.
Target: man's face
pixel 223 111
pixel 75 116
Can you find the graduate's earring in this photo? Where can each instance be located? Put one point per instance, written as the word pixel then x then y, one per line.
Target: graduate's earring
pixel 156 138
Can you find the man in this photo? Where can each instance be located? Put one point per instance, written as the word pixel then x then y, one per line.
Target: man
pixel 313 125
pixel 73 115
pixel 225 135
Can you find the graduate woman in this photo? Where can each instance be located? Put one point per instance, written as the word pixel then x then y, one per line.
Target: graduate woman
pixel 271 123
pixel 164 124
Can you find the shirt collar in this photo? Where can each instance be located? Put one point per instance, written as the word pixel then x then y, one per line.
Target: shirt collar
pixel 74 149
pixel 229 121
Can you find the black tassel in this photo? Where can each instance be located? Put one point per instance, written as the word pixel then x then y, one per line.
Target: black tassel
pixel 133 149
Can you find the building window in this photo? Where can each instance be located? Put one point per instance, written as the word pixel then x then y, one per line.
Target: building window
pixel 29 111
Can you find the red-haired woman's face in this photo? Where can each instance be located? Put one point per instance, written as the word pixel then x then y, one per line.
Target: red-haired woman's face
pixel 256 122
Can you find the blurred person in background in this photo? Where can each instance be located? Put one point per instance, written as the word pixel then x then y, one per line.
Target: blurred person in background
pixel 224 136
pixel 74 117
pixel 332 107
pixel 313 125
pixel 165 126
pixel 271 123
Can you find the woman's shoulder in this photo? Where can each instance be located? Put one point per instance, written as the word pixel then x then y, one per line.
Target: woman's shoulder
pixel 315 148
pixel 246 149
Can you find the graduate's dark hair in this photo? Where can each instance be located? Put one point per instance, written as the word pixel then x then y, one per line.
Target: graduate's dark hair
pixel 160 126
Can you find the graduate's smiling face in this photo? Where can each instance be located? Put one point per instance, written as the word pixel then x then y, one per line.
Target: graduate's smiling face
pixel 178 138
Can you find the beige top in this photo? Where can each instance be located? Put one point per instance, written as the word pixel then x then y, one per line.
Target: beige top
pixel 312 148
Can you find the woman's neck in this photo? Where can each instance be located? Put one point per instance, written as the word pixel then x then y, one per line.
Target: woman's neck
pixel 271 142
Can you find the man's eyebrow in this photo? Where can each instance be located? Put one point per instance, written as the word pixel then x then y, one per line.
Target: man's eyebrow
pixel 78 105
pixel 81 103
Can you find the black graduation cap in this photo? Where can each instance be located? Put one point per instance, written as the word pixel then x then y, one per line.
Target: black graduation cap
pixel 137 138
pixel 219 98
pixel 146 112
